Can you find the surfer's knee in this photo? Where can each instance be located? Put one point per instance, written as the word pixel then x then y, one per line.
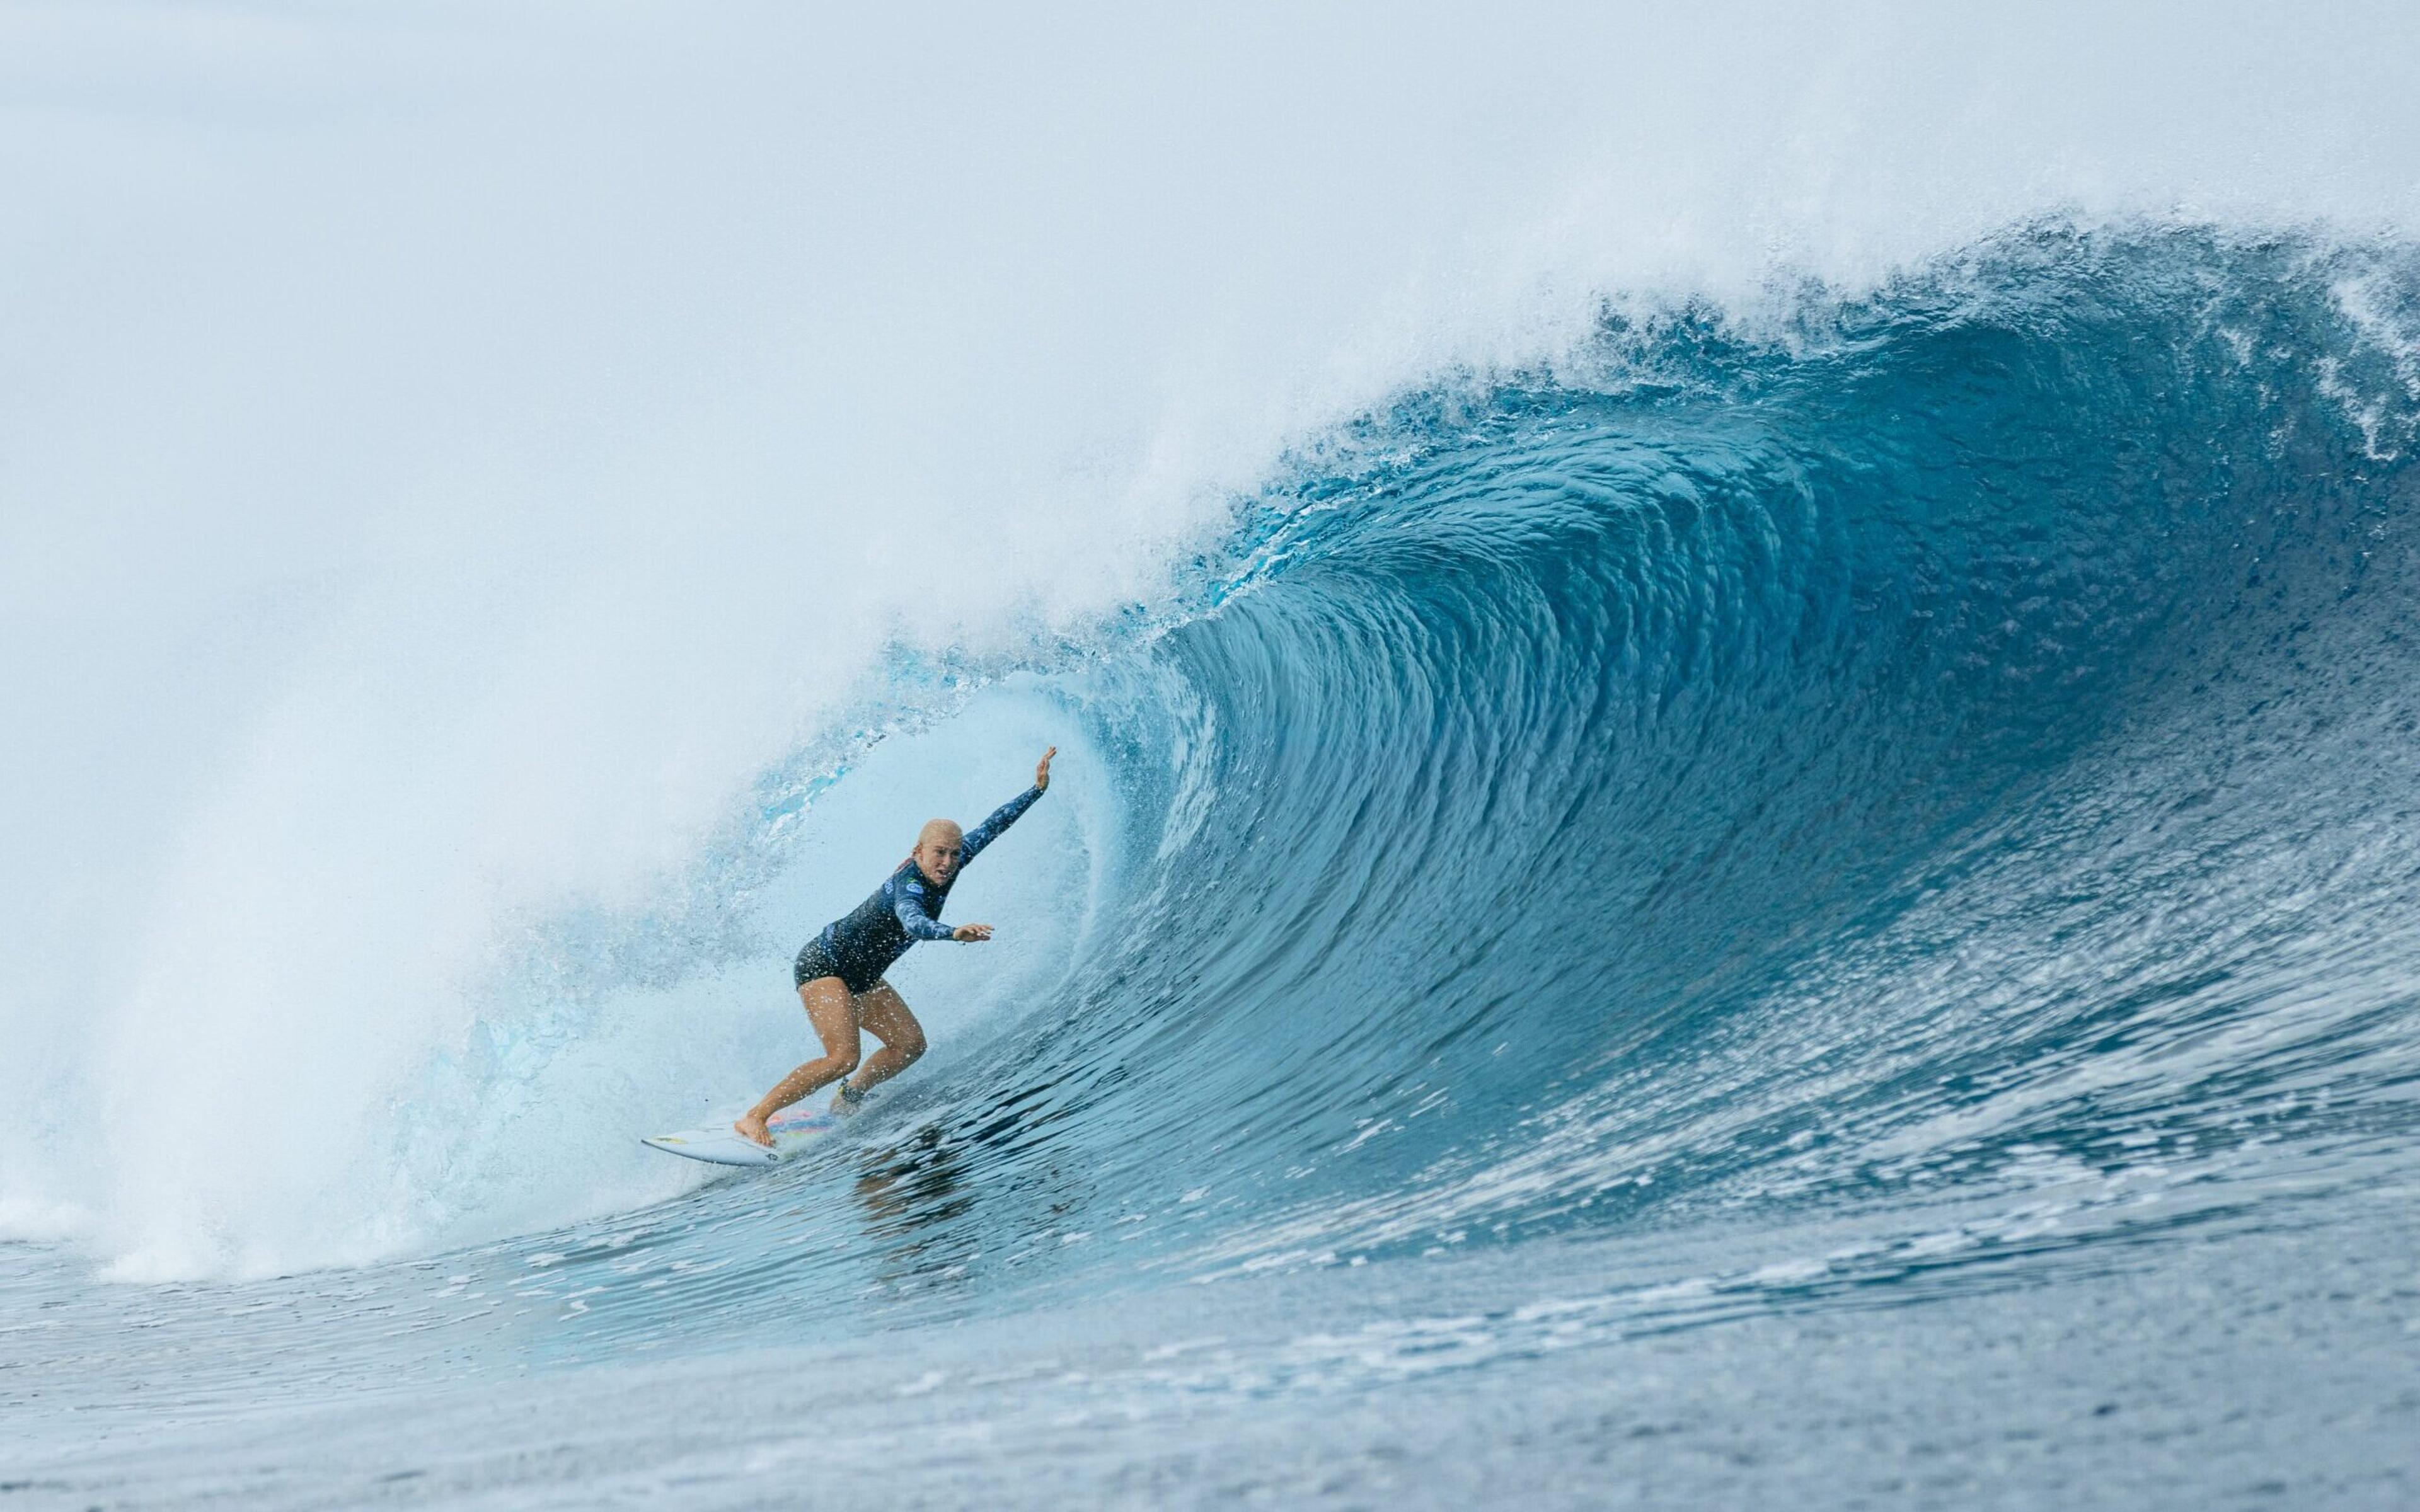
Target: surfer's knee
pixel 912 1049
pixel 843 1060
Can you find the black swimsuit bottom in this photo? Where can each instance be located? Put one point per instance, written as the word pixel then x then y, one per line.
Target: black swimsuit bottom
pixel 815 961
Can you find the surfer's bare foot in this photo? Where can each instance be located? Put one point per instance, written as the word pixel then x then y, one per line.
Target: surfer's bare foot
pixel 752 1128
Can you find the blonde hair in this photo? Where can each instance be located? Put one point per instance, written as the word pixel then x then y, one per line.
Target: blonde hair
pixel 939 829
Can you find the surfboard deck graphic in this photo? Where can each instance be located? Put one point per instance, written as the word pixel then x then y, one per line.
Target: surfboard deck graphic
pixel 791 1129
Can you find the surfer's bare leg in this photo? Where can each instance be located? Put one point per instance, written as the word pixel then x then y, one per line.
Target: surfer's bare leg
pixel 833 1013
pixel 884 1014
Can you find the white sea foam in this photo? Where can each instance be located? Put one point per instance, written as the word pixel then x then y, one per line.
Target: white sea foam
pixel 449 455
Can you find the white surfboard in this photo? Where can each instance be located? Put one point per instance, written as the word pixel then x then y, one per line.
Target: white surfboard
pixel 722 1144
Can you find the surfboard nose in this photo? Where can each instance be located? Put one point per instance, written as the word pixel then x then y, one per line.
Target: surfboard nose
pixel 718 1148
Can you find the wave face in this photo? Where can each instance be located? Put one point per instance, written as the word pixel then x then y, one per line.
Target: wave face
pixel 1952 735
pixel 1935 768
pixel 1948 746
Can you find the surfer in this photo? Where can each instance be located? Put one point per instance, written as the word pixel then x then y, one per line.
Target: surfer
pixel 840 972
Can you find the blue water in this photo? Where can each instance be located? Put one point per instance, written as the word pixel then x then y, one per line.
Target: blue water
pixel 1812 906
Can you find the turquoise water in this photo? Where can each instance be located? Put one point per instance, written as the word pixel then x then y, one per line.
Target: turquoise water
pixel 1817 908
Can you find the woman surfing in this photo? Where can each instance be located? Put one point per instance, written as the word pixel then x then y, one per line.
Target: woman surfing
pixel 840 972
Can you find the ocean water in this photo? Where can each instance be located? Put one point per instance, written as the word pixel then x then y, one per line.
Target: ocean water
pixel 1712 888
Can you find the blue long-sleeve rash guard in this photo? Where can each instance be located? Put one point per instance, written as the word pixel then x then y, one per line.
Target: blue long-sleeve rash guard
pixel 908 907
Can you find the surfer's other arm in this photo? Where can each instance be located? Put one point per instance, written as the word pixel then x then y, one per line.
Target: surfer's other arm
pixel 913 908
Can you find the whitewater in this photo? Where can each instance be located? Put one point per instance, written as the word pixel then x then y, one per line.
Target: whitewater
pixel 1739 810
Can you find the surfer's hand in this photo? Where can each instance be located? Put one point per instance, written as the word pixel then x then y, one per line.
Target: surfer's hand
pixel 1042 772
pixel 970 933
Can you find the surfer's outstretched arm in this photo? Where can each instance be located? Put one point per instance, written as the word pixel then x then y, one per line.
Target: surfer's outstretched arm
pixel 1007 814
